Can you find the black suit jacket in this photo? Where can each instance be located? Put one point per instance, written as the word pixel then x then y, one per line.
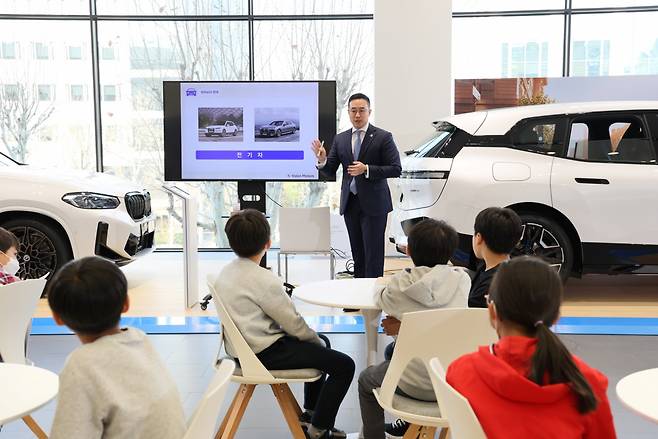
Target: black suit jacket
pixel 379 152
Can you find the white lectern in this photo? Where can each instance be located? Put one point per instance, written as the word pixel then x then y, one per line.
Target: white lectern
pixel 190 244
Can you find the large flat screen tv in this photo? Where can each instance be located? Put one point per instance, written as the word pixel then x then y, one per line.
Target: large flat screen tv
pixel 246 130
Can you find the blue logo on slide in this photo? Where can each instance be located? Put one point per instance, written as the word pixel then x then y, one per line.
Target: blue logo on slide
pixel 190 92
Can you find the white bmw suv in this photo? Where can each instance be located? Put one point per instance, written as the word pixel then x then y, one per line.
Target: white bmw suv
pixel 61 215
pixel 582 176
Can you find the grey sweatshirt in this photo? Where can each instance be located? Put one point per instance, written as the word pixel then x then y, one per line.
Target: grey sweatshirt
pixel 259 306
pixel 422 289
pixel 117 387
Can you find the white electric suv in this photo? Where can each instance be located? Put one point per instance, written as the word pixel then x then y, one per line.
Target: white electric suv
pixel 582 176
pixel 61 215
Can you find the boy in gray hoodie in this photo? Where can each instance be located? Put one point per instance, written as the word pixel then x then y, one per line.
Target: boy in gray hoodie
pixel 430 284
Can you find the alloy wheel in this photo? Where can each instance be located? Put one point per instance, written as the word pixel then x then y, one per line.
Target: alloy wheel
pixel 37 255
pixel 536 240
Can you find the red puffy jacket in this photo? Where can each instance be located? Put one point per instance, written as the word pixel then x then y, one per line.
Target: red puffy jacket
pixel 509 405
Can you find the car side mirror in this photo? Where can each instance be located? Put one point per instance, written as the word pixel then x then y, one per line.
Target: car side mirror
pixel 411 151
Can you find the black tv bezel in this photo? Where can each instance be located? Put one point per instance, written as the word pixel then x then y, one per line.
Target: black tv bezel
pixel 172 127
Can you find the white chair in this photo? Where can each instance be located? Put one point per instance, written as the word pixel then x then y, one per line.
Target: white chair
pixel 251 372
pixel 305 231
pixel 203 421
pixel 443 333
pixel 463 423
pixel 18 302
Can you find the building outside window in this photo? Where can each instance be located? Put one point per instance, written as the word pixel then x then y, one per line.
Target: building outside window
pixel 46 92
pixel 10 92
pixel 107 53
pixel 109 93
pixel 9 50
pixel 74 52
pixel 41 51
pixel 525 60
pixel 77 92
pixel 590 58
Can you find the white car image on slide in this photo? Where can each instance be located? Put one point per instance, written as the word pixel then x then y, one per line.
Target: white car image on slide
pixel 582 176
pixel 222 130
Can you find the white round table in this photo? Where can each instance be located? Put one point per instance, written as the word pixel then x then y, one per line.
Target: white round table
pixel 347 293
pixel 24 389
pixel 638 391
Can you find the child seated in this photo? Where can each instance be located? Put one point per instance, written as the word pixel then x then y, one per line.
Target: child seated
pixel 265 315
pixel 9 265
pixel 430 284
pixel 114 385
pixel 496 232
pixel 528 385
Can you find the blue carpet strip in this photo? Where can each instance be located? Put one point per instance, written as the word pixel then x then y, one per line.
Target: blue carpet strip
pixel 354 325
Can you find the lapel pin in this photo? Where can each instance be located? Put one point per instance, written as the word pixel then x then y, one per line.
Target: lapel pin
pixel 371 135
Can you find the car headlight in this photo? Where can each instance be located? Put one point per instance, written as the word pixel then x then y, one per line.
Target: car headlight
pixel 91 200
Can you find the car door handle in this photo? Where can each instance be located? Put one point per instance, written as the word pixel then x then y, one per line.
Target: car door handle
pixel 592 180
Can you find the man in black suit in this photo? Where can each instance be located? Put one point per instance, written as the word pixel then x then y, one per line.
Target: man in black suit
pixel 369 156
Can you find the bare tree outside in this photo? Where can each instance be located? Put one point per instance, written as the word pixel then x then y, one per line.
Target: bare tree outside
pixel 22 115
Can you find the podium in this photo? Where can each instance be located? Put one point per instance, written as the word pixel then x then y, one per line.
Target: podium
pixel 190 244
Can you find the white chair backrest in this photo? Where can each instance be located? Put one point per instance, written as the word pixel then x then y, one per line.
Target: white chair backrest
pixel 454 407
pixel 249 363
pixel 443 333
pixel 18 302
pixel 305 230
pixel 203 421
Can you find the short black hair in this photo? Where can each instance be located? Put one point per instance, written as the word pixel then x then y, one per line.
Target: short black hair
pixel 432 242
pixel 88 294
pixel 248 232
pixel 500 228
pixel 8 240
pixel 358 96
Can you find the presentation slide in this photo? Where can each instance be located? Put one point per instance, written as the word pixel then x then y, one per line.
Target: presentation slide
pixel 248 130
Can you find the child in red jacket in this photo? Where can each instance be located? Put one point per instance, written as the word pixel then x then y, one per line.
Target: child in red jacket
pixel 528 385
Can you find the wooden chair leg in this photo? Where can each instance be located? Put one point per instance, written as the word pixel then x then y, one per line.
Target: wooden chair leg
pixel 283 396
pixel 412 432
pixel 32 425
pixel 222 426
pixel 427 433
pixel 233 417
pixel 292 399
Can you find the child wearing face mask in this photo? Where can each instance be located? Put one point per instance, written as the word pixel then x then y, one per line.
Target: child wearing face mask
pixel 8 263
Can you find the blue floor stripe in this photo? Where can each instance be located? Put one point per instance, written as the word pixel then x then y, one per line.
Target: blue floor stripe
pixel 345 324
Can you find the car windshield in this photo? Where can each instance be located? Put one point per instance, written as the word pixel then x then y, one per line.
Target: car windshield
pixel 277 122
pixel 431 146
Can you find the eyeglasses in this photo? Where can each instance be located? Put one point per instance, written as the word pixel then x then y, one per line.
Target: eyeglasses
pixel 358 110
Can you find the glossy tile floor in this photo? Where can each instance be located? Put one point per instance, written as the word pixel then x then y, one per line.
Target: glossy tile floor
pixel 189 359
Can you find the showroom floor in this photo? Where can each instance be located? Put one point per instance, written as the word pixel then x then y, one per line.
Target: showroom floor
pixel 156 287
pixel 156 290
pixel 189 358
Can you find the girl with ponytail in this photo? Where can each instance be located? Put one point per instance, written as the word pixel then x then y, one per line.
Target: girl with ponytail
pixel 528 385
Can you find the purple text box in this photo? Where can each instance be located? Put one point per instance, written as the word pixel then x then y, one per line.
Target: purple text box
pixel 250 155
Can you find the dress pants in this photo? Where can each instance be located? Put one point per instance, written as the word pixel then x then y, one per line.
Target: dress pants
pixel 366 234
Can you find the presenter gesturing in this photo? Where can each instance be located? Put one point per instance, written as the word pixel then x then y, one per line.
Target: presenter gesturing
pixel 369 156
